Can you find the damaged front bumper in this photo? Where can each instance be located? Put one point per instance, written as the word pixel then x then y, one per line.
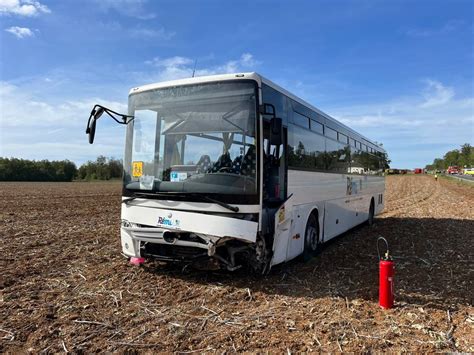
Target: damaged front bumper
pixel 178 246
pixel 138 236
pixel 175 235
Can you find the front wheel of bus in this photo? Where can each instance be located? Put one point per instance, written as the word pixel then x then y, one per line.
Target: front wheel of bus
pixel 259 261
pixel 311 238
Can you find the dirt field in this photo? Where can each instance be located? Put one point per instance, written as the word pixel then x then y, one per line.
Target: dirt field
pixel 65 287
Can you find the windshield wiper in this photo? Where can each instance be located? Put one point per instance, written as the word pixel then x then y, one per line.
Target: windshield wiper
pixel 194 194
pixel 220 203
pixel 139 194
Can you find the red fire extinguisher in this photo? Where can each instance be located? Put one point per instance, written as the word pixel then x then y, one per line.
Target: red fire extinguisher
pixel 386 273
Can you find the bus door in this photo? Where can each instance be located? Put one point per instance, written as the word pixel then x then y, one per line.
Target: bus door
pixel 275 202
pixel 274 167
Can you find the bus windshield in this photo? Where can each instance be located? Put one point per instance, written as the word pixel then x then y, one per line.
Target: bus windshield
pixel 193 139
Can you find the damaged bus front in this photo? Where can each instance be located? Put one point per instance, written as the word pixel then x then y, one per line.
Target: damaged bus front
pixel 191 173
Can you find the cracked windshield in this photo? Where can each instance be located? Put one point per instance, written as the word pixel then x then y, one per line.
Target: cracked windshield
pixel 193 139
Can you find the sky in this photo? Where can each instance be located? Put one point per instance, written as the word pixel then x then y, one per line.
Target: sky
pixel 398 72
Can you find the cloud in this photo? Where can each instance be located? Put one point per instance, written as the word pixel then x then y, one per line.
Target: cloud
pixel 20 32
pixel 245 61
pixel 130 8
pixel 415 129
pixel 33 128
pixel 23 8
pixel 448 27
pixel 160 33
pixel 169 62
pixel 430 104
pixel 182 67
pixel 436 94
pixel 22 108
pixel 108 30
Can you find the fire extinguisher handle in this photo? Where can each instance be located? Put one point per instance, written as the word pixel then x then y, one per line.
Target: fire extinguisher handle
pixel 386 257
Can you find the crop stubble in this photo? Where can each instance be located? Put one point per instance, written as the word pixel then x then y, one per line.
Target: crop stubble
pixel 65 287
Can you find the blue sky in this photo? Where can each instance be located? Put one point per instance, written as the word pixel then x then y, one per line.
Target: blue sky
pixel 399 72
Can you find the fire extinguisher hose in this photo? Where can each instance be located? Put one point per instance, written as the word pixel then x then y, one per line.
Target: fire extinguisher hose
pixel 386 255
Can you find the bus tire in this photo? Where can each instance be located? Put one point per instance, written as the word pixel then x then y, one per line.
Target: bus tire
pixel 311 237
pixel 370 220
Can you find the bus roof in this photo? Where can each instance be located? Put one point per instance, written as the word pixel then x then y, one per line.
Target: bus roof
pixel 253 76
pixel 197 80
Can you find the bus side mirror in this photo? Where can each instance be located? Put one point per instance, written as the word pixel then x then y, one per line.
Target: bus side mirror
pixel 97 111
pixel 276 131
pixel 267 110
pixel 91 131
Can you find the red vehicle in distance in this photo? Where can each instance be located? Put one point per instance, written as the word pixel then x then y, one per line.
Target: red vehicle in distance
pixel 453 170
pixel 418 171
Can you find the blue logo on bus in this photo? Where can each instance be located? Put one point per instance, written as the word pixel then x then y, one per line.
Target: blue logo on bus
pixel 168 222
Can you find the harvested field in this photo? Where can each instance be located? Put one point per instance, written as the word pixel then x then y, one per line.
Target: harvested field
pixel 65 286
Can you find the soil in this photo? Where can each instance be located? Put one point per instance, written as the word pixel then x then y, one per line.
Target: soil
pixel 64 285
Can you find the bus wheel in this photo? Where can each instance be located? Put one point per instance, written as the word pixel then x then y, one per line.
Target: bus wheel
pixel 370 220
pixel 259 260
pixel 311 237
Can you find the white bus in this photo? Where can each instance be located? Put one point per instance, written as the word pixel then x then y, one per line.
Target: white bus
pixel 233 170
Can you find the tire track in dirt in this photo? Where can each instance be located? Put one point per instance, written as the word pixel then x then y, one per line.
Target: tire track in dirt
pixel 402 189
pixel 407 198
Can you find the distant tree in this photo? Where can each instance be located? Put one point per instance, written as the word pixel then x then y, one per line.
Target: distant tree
pixel 13 169
pixel 115 167
pixel 68 170
pixel 439 164
pixel 457 157
pixel 452 158
pixel 101 169
pixel 385 161
pixel 467 155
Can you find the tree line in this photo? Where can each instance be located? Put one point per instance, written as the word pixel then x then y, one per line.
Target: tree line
pixel 101 169
pixel 14 169
pixel 463 157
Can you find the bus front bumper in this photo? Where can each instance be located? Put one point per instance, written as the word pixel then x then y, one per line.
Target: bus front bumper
pixel 171 230
pixel 133 237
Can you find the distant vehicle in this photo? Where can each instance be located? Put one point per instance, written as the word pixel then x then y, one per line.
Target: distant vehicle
pixel 468 171
pixel 453 170
pixel 418 171
pixel 393 171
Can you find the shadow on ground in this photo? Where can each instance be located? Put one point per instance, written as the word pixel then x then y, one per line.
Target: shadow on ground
pixel 433 261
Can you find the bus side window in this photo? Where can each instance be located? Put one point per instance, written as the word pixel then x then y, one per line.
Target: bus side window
pixel 338 156
pixel 358 165
pixel 306 149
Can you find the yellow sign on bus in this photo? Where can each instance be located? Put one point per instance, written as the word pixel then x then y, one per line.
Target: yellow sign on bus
pixel 137 168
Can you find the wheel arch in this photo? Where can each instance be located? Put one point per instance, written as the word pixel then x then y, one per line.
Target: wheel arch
pixel 319 217
pixel 371 212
